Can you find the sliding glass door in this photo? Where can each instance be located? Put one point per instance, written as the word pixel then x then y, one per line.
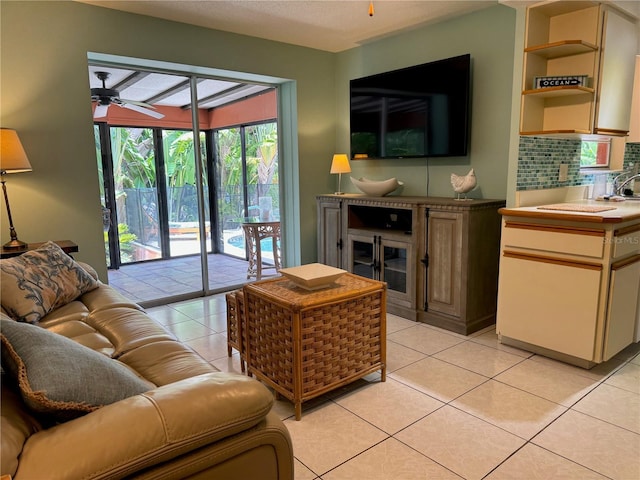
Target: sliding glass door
pixel 167 220
pixel 246 162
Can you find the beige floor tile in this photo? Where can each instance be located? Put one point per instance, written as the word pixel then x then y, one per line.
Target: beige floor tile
pixel 189 330
pixel 167 315
pixel 212 347
pixel 216 323
pixel 478 358
pixel 628 378
pixel 598 373
pixel 301 472
pixel 614 405
pixel 635 360
pixel 198 308
pixel 229 364
pixel 518 412
pixel 396 323
pixel 534 463
pixel 559 385
pixel 328 436
pixel 390 460
pixel 389 405
pixel 460 442
pixel 399 356
pixel 600 446
pixel 424 339
pixel 438 379
pixel 490 339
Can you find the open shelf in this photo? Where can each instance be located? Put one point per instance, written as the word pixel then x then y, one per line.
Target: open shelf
pixel 559 91
pixel 563 48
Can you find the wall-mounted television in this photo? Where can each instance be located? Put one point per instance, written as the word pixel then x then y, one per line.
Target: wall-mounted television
pixel 419 111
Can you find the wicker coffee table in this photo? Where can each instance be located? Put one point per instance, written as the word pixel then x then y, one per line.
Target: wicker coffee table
pixel 305 343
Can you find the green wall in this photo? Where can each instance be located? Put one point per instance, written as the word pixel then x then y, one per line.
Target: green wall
pixel 488 36
pixel 45 96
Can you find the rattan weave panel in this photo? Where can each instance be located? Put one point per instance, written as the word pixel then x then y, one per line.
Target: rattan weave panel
pixel 235 324
pixel 304 344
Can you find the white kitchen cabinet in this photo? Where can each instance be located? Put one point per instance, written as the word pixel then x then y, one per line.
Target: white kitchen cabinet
pixel 616 76
pixel 555 303
pixel 575 38
pixel 568 283
pixel 622 305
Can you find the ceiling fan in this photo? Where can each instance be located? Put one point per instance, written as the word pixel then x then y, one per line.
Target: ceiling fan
pixel 109 96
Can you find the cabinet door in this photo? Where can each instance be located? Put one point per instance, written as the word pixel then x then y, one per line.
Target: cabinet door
pixel 396 270
pixel 617 68
pixel 444 273
pixel 330 233
pixel 623 304
pixel 362 255
pixel 549 303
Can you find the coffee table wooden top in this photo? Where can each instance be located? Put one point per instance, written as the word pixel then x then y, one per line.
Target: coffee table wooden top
pixel 283 290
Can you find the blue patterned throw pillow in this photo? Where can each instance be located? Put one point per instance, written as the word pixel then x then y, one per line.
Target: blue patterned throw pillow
pixel 40 281
pixel 60 379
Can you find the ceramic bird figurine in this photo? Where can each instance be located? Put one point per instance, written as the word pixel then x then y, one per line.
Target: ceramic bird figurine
pixel 463 183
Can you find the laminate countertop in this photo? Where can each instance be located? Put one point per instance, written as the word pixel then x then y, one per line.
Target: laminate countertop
pixel 590 211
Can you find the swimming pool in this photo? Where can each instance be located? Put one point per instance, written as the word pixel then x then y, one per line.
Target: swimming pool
pixel 238 241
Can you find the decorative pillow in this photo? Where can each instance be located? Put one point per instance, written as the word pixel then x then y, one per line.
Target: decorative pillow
pixel 39 281
pixel 60 378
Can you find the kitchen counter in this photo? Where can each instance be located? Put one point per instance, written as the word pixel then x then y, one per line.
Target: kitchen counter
pixel 619 212
pixel 569 281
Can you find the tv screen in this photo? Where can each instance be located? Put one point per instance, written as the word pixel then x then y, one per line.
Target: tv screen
pixel 420 111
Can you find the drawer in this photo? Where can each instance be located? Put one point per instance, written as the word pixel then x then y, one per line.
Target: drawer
pixel 626 241
pixel 584 242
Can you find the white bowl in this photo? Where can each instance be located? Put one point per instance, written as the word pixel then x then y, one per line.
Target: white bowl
pixel 376 188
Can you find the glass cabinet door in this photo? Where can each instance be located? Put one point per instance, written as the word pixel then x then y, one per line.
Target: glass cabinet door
pixel 362 256
pixel 395 270
pixel 394 267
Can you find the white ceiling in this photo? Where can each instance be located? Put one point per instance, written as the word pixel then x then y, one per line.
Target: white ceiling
pixel 330 25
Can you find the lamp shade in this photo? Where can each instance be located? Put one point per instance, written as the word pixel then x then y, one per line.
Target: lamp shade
pixel 13 158
pixel 340 164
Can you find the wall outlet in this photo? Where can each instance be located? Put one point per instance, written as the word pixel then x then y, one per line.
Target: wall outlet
pixel 564 172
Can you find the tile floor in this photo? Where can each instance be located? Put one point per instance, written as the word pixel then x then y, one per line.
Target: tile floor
pixel 150 281
pixel 452 407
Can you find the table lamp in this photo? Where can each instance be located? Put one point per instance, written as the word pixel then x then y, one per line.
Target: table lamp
pixel 340 165
pixel 13 159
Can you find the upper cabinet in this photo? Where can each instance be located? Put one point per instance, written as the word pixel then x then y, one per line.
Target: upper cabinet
pixel 617 69
pixel 579 62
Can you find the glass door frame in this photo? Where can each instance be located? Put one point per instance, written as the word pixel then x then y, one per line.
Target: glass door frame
pixel 287 124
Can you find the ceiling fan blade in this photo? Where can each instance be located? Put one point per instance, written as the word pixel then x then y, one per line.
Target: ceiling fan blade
pixel 100 111
pixel 143 110
pixel 135 102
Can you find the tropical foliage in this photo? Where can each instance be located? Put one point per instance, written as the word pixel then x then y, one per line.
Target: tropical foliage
pixel 134 168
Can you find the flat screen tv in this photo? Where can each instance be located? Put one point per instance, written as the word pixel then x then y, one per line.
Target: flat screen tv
pixel 419 111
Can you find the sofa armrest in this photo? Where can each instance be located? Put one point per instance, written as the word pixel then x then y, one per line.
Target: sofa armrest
pixel 122 438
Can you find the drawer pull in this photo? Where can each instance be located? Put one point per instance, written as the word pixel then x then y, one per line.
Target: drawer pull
pixel 552 260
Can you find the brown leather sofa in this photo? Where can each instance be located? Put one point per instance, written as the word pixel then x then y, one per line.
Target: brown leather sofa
pixel 195 422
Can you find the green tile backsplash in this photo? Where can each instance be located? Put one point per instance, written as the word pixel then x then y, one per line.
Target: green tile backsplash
pixel 539 160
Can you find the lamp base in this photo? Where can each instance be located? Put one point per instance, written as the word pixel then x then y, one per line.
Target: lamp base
pixel 15 245
pixel 338 193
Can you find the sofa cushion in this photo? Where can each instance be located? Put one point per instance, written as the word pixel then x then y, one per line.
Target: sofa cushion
pixel 40 281
pixel 58 377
